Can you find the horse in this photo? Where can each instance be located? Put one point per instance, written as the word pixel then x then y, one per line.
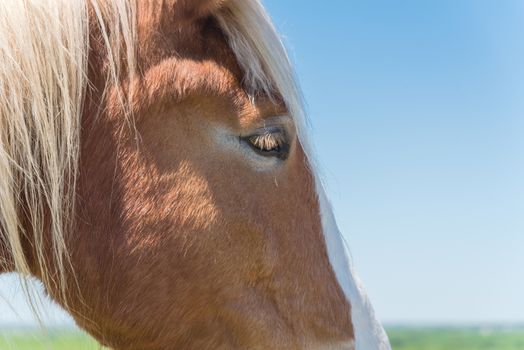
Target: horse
pixel 156 176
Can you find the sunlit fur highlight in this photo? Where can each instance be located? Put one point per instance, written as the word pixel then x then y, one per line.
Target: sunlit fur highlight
pixel 44 48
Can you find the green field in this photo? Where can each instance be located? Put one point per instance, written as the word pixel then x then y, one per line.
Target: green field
pixel 51 340
pixel 402 338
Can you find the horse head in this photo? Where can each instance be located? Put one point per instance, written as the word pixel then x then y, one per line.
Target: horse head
pixel 199 221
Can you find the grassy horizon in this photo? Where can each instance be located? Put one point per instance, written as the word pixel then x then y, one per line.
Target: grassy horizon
pixel 402 338
pixel 457 338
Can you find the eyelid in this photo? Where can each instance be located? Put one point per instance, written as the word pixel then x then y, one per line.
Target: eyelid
pixel 269 138
pixel 270 129
pixel 272 141
pixel 276 131
pixel 280 123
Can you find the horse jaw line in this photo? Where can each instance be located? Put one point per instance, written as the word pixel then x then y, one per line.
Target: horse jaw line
pixel 369 334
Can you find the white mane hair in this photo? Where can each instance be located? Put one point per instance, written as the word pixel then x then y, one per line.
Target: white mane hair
pixel 44 48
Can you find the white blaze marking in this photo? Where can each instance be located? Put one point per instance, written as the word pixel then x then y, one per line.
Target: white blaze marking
pixel 369 334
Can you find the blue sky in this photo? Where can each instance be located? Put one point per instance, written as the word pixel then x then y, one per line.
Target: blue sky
pixel 417 110
pixel 418 116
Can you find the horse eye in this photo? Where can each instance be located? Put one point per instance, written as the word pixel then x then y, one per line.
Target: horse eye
pixel 271 142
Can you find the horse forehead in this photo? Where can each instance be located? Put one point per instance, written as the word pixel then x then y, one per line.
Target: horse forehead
pixel 177 60
pixel 194 60
pixel 180 10
pixel 161 32
pixel 186 51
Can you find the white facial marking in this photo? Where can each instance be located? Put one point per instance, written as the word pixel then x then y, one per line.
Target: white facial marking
pixel 369 334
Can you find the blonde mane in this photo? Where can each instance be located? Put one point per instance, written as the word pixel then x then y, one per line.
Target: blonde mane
pixel 44 46
pixel 42 80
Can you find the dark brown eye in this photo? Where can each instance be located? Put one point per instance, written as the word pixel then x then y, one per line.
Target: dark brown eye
pixel 271 142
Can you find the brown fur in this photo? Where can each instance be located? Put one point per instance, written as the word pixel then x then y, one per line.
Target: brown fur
pixel 179 242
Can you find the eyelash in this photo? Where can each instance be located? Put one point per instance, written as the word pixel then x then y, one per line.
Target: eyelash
pixel 270 143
